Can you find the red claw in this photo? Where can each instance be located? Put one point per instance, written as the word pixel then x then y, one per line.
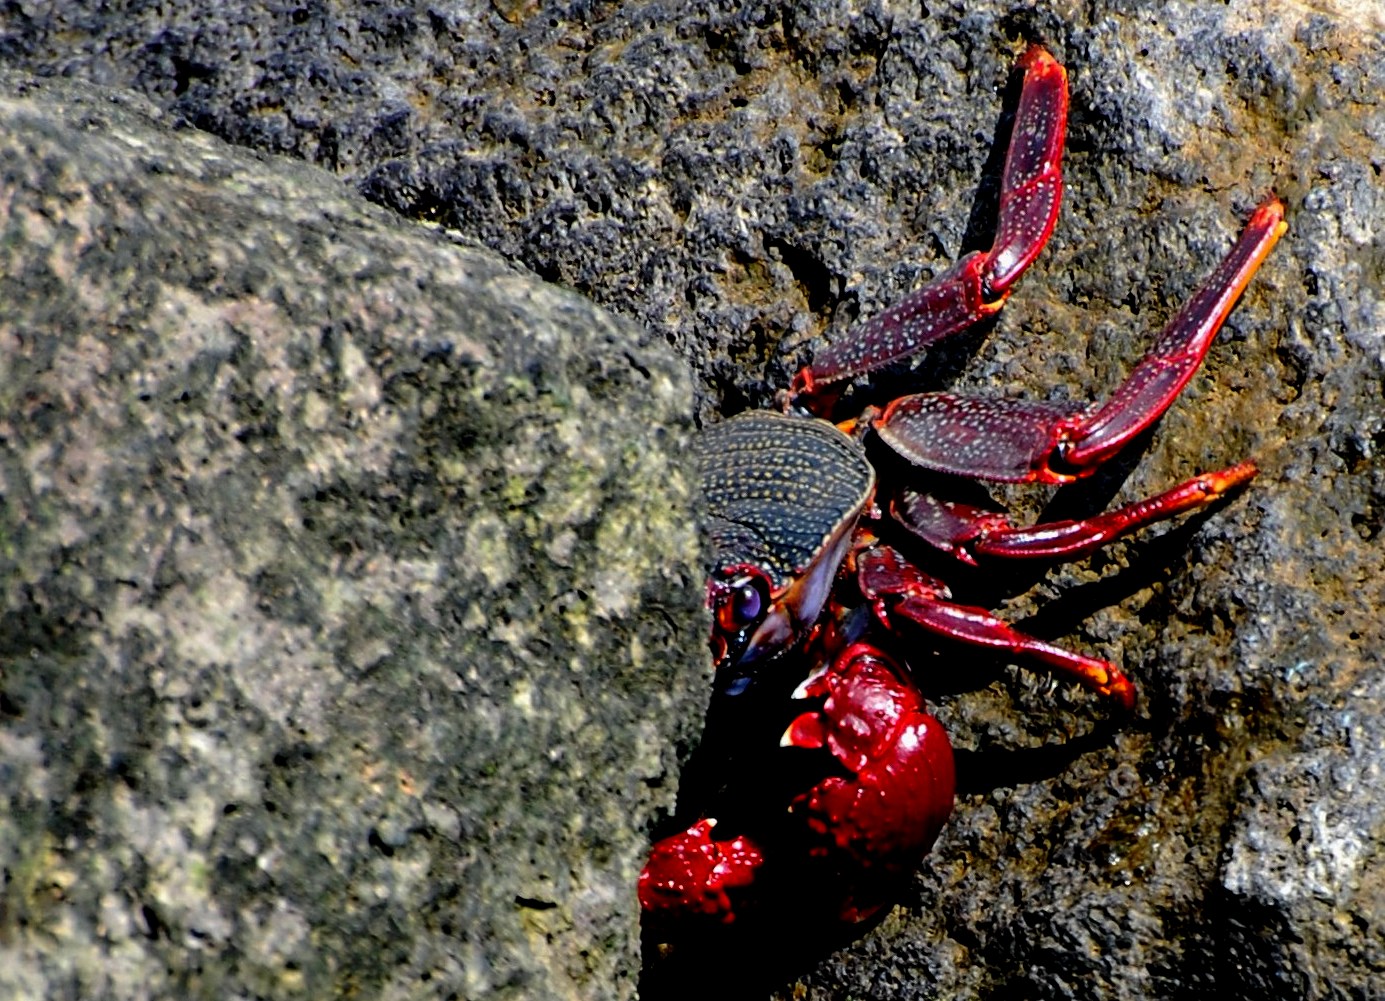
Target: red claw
pixel 688 875
pixel 879 821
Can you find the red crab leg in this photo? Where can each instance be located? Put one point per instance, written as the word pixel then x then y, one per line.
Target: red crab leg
pixel 966 531
pixel 1019 441
pixel 897 588
pixel 1030 190
pixel 1178 350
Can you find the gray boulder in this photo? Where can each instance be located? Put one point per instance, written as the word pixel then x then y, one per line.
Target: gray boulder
pixel 346 577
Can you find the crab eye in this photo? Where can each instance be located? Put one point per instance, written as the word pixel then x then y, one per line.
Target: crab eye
pixel 746 603
pixel 742 604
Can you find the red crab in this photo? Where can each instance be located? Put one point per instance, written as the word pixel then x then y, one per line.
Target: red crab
pixel 795 518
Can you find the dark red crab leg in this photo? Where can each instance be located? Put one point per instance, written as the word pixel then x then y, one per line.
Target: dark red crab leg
pixel 966 531
pixel 897 589
pixel 1178 350
pixel 977 286
pixel 1022 441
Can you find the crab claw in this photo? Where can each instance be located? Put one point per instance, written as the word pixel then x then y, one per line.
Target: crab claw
pixel 878 821
pixel 807 731
pixel 688 875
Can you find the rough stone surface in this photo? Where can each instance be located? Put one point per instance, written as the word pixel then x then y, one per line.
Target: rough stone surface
pixel 746 179
pixel 345 576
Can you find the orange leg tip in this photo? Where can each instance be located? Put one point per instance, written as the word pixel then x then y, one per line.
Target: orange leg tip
pixel 1123 692
pixel 1241 473
pixel 1117 687
pixel 1269 216
pixel 1223 481
pixel 993 305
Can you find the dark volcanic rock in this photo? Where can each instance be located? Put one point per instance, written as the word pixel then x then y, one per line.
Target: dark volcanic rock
pixel 345 576
pixel 746 179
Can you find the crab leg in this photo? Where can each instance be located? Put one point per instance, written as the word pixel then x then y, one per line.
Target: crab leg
pixel 1021 441
pixel 897 589
pixel 965 531
pixel 977 286
pixel 1178 350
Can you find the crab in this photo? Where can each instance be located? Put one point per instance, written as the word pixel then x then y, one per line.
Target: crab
pixel 805 575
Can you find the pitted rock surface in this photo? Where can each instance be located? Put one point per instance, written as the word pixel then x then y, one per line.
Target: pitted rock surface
pixel 345 574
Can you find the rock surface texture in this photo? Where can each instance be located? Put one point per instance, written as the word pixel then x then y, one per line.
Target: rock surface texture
pixel 743 181
pixel 345 578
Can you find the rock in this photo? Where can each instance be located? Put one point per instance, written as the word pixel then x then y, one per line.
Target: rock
pixel 346 578
pixel 747 179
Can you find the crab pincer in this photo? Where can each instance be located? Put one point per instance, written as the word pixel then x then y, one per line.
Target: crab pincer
pixel 879 815
pixel 692 877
